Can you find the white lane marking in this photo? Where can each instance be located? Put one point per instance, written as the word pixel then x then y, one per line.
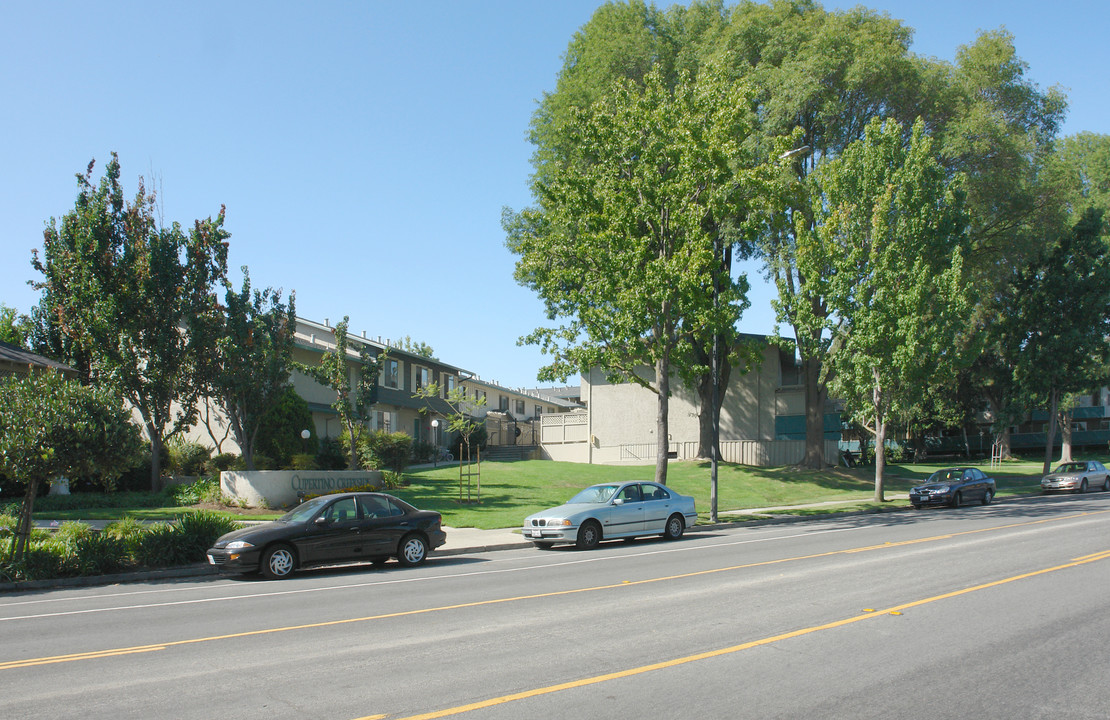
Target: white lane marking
pixel 375 583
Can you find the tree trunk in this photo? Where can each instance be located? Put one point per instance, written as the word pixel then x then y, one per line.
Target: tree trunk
pixel 709 413
pixel 662 427
pixel 156 445
pixel 1065 436
pixel 1050 434
pixel 1005 443
pixel 23 525
pixel 880 459
pixel 815 415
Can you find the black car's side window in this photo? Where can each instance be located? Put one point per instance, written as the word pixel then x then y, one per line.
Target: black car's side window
pixel 341 511
pixel 379 507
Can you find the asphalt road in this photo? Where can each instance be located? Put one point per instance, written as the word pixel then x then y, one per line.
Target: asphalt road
pixel 981 612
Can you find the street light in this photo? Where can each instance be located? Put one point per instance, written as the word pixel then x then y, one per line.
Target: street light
pixel 435 442
pixel 795 153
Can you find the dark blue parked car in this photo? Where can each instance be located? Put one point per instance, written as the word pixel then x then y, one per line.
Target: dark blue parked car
pixel 953 487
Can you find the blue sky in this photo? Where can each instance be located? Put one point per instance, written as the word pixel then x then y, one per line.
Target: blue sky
pixel 364 150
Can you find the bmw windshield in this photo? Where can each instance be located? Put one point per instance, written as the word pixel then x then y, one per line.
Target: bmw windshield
pixel 594 495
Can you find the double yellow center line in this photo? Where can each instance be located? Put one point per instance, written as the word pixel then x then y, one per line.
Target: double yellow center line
pixel 98 654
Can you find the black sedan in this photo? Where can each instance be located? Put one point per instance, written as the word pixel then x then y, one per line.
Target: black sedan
pixel 331 529
pixel 953 487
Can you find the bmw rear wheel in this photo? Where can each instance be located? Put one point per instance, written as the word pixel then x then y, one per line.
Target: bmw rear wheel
pixel 674 528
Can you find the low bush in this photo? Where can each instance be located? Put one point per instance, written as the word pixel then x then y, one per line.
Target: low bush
pixel 95 554
pixel 130 531
pixel 188 458
pixel 304 461
pixel 387 451
pixel 183 541
pixel 331 455
pixel 206 489
pixel 223 461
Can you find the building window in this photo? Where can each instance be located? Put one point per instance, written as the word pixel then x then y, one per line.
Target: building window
pixel 539 410
pixel 423 378
pixel 520 408
pixel 449 385
pixel 503 403
pixel 391 374
pixel 383 421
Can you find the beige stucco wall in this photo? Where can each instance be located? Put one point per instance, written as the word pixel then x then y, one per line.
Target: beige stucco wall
pixel 626 413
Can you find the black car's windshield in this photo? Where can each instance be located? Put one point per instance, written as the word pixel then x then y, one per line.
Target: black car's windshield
pixel 304 511
pixel 949 475
pixel 1071 467
pixel 596 495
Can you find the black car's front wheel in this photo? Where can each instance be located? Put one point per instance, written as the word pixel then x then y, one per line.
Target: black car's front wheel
pixel 278 562
pixel 957 500
pixel 412 551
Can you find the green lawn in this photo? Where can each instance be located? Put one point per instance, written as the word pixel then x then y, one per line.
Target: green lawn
pixel 512 490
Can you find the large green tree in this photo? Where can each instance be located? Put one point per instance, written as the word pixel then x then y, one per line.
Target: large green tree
pixel 248 364
pixel 621 245
pixel 52 427
pixel 820 77
pixel 625 42
pixel 1061 320
pixel 125 293
pixel 15 329
pixel 885 248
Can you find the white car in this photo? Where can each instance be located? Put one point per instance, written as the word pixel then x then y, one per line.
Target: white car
pixel 612 510
pixel 1077 477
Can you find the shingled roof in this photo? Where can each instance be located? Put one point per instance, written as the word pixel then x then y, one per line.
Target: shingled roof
pixel 15 360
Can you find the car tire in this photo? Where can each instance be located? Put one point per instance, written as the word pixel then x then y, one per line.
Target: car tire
pixel 412 551
pixel 589 535
pixel 987 497
pixel 278 562
pixel 674 528
pixel 1082 487
pixel 957 500
pixel 1106 485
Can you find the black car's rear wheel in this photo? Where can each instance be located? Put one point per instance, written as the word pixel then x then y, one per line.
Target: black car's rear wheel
pixel 589 535
pixel 987 497
pixel 278 562
pixel 1106 485
pixel 675 525
pixel 412 551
